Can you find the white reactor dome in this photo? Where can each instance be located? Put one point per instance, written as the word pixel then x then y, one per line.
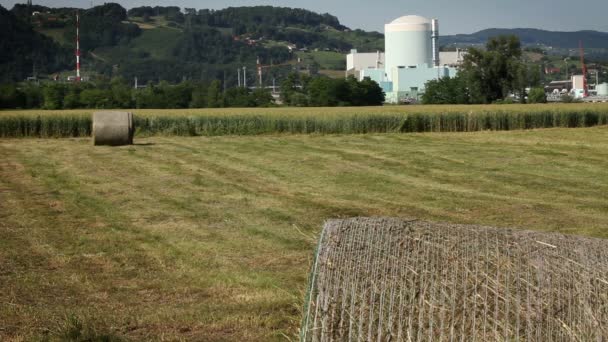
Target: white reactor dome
pixel 408 20
pixel 408 43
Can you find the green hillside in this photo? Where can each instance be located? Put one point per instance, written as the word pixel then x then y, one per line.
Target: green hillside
pixel 154 43
pixel 166 43
pixel 25 52
pixel 169 43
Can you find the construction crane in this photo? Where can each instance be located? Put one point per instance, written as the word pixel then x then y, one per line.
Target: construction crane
pixel 584 67
pixel 261 67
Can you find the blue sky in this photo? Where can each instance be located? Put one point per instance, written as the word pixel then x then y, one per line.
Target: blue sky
pixel 455 16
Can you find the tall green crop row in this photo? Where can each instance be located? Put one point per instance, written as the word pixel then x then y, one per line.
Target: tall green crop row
pixel 260 124
pixel 56 126
pixel 79 125
pixel 502 121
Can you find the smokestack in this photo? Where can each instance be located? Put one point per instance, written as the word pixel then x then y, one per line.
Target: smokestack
pixel 77 47
pixel 435 40
pixel 238 73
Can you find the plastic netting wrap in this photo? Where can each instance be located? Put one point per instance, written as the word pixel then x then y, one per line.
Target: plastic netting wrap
pixel 381 279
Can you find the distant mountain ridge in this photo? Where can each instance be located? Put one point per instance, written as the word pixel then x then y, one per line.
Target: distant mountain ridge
pixel 528 36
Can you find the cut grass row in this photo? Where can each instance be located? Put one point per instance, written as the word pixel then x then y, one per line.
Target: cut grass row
pixel 212 238
pixel 312 120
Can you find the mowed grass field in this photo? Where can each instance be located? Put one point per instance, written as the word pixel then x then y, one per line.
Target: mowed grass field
pixel 211 238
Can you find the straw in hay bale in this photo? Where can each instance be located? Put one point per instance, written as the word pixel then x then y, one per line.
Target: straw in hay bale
pixel 113 128
pixel 381 279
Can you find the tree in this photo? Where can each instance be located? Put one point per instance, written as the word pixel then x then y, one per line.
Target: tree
pixel 537 95
pixel 176 96
pixel 34 97
pixel 152 97
pixel 11 97
pixel 446 90
pixel 527 76
pixel 372 94
pixel 53 96
pixel 492 74
pixel 121 93
pixel 96 98
pixel 199 96
pixel 262 98
pixel 72 99
pixel 214 95
pixel 321 93
pixel 485 75
pixel 288 88
pixel 299 100
pixel 238 97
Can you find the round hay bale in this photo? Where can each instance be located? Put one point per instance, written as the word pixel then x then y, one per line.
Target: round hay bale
pixel 113 128
pixel 380 279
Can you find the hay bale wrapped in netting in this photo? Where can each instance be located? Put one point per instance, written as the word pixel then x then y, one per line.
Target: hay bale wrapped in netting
pixel 113 128
pixel 380 279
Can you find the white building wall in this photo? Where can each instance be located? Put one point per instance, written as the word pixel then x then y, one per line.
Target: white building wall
pixel 578 82
pixel 357 61
pixel 451 58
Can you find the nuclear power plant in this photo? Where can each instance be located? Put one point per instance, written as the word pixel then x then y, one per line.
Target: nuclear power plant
pixel 411 58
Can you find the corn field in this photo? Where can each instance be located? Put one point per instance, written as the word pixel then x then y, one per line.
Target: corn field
pixel 393 280
pixel 313 120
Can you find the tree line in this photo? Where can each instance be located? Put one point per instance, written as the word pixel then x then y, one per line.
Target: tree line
pixel 118 93
pixel 294 25
pixel 302 90
pixel 243 19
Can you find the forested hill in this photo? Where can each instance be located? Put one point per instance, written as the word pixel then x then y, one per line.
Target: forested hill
pixel 24 52
pixel 170 43
pixel 245 19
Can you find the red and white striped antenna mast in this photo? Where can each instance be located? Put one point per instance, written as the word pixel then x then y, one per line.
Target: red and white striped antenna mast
pixel 77 47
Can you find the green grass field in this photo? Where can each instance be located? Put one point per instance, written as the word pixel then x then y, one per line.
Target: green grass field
pixel 211 238
pixel 329 60
pixel 56 34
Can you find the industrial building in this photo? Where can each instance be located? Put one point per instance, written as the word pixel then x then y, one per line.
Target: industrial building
pixel 411 58
pixel 602 89
pixel 575 87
